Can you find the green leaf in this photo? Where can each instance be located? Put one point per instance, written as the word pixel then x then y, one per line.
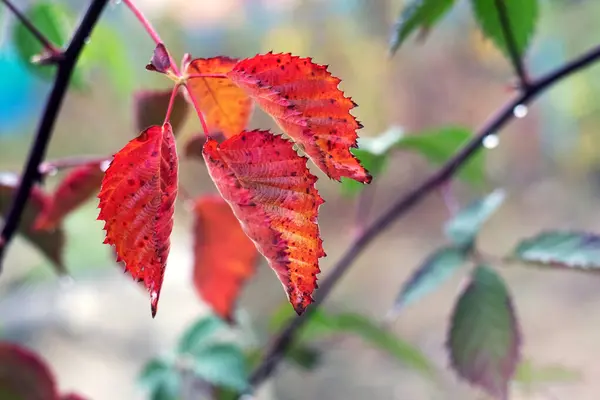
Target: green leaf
pixel 54 21
pixel 484 339
pixel 321 325
pixel 464 227
pixel 522 15
pixel 50 243
pixel 161 379
pixel 199 334
pixel 222 365
pixel 372 152
pixel 435 270
pixel 440 145
pixel 529 375
pixel 418 14
pixel 303 356
pixel 563 249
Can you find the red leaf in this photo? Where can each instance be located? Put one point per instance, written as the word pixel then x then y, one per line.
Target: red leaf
pixel 273 194
pixel 224 257
pixel 193 147
pixel 150 107
pixel 137 201
pixel 77 187
pixel 23 375
pixel 160 62
pixel 51 243
pixel 226 107
pixel 305 101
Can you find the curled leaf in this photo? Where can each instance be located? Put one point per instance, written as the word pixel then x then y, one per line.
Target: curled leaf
pixel 23 375
pixel 137 201
pixel 75 189
pixel 304 99
pixel 150 107
pixel 160 61
pixel 273 194
pixel 51 243
pixel 224 257
pixel 226 107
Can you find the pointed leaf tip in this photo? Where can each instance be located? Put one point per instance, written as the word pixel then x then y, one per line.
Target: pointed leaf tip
pixel 305 101
pixel 137 200
pixel 273 195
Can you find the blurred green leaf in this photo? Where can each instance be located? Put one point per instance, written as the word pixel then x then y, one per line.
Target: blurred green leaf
pixel 566 249
pixel 372 152
pixel 108 50
pixel 199 334
pixel 161 379
pixel 303 356
pixel 418 14
pixel 222 365
pixel 53 20
pixel 484 339
pixel 522 15
pixel 465 226
pixel 321 325
pixel 435 270
pixel 440 145
pixel 529 375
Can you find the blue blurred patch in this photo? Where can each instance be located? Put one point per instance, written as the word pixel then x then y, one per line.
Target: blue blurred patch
pixel 21 94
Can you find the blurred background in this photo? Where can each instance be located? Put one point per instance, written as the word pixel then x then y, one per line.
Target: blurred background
pixel 96 331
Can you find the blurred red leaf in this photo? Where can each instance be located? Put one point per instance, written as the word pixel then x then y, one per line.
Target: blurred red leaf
pixel 137 204
pixel 304 99
pixel 50 243
pixel 273 194
pixel 226 107
pixel 193 147
pixel 74 190
pixel 224 257
pixel 24 375
pixel 72 396
pixel 150 107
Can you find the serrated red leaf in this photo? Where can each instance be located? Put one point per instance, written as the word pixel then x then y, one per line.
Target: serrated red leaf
pixel 74 190
pixel 224 257
pixel 137 202
pixel 273 195
pixel 150 107
pixel 24 375
pixel 52 242
pixel 304 99
pixel 226 107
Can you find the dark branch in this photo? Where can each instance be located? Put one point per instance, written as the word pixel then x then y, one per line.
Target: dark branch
pixel 286 336
pixel 55 53
pixel 31 174
pixel 511 44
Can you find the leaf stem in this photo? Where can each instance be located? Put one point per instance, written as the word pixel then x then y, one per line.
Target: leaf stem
pixel 511 45
pixel 150 29
pixel 198 111
pixel 282 341
pixel 31 173
pixel 171 101
pixel 193 76
pixel 55 53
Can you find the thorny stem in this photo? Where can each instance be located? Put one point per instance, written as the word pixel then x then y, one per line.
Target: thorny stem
pixel 31 174
pixel 48 45
pixel 511 44
pixel 150 29
pixel 282 341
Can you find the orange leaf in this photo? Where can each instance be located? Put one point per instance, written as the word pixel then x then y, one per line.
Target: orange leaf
pixel 226 107
pixel 273 194
pixel 306 103
pixel 137 201
pixel 77 187
pixel 224 257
